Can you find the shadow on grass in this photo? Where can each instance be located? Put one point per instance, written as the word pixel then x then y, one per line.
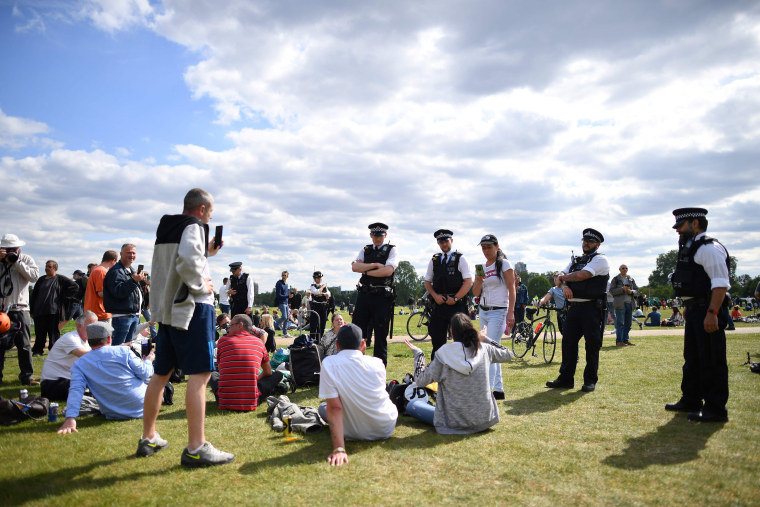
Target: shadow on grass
pixel 44 426
pixel 542 401
pixel 319 446
pixel 23 489
pixel 677 441
pixel 523 364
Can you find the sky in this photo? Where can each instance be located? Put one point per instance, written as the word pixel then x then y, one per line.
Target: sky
pixel 308 121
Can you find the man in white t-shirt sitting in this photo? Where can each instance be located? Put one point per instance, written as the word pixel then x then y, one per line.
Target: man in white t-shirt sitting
pixel 358 406
pixel 56 372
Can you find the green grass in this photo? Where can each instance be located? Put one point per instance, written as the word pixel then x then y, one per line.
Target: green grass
pixel 614 446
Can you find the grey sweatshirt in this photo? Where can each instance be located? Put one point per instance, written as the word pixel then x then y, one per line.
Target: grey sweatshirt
pixel 464 403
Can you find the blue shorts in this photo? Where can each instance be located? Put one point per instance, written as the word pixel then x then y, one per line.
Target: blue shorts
pixel 192 351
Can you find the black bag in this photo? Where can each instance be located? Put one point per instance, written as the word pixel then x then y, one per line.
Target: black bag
pixel 8 338
pixel 33 407
pixel 305 365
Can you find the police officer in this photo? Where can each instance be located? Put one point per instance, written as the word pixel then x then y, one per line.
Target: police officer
pixel 447 280
pixel 701 279
pixel 375 299
pixel 319 296
pixel 241 290
pixel 585 290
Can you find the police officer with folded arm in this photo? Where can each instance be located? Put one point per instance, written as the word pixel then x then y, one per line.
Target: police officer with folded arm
pixel 585 290
pixel 448 280
pixel 701 279
pixel 319 296
pixel 376 295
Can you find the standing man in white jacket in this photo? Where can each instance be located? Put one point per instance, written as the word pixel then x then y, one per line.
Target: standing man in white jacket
pixel 183 304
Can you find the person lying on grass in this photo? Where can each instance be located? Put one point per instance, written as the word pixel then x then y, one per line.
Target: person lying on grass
pixel 465 403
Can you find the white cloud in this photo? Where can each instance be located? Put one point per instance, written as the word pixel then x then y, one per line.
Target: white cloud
pixel 16 132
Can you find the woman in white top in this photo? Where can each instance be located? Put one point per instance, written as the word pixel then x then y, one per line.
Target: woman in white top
pixel 496 289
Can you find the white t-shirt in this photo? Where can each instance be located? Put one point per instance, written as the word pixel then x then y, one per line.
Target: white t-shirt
pixel 60 359
pixel 359 382
pixel 494 291
pixel 224 298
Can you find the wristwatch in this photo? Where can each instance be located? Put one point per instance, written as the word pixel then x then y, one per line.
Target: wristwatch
pixel 456 299
pixel 339 449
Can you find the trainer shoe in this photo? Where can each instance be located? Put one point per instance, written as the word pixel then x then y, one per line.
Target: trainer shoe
pixel 147 448
pixel 207 455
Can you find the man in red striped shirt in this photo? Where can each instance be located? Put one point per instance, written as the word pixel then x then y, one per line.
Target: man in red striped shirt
pixel 243 363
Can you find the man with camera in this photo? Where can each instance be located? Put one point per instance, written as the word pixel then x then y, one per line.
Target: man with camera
pixel 122 296
pixel 448 280
pixel 17 271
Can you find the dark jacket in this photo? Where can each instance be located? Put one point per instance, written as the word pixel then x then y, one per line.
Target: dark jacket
pixel 68 291
pixel 121 294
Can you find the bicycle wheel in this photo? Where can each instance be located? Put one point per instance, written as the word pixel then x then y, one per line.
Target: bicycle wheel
pixel 417 326
pixel 521 335
pixel 550 342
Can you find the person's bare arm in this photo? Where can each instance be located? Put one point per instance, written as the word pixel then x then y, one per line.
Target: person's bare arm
pixel 335 418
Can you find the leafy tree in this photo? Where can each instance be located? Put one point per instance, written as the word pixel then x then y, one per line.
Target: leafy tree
pixel 407 282
pixel 538 286
pixel 665 265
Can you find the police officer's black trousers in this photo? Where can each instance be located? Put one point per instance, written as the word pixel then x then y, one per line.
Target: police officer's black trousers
pixel 438 326
pixel 705 371
pixel 317 325
pixel 583 320
pixel 374 310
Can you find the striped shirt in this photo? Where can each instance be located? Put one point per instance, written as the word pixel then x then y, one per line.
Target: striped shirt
pixel 240 358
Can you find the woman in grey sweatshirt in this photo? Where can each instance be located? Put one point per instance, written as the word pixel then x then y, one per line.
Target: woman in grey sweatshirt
pixel 464 403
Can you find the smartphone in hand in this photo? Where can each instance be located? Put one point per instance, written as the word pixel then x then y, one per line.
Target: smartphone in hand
pixel 140 269
pixel 218 236
pixel 480 270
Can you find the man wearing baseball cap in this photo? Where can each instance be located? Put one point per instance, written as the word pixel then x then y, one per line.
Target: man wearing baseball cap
pixel 585 290
pixel 701 279
pixel 17 271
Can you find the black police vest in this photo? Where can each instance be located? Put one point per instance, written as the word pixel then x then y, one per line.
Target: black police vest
pixel 447 280
pixel 318 299
pixel 593 288
pixel 690 279
pixel 241 286
pixel 380 255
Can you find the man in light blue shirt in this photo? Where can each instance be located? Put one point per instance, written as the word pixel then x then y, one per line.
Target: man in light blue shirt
pixel 116 377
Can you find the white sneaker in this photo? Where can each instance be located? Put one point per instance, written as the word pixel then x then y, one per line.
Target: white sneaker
pixel 207 455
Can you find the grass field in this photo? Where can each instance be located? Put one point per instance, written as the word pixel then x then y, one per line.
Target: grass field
pixel 614 446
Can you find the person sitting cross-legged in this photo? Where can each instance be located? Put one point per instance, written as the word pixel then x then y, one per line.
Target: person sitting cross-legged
pixel 465 403
pixel 56 372
pixel 116 377
pixel 245 375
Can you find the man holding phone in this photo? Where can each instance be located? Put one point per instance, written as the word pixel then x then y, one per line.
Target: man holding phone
pixel 447 280
pixel 122 296
pixel 183 303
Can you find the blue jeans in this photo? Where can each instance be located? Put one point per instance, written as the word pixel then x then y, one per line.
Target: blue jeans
pixel 285 319
pixel 123 329
pixel 224 308
pixel 496 320
pixel 623 323
pixel 421 410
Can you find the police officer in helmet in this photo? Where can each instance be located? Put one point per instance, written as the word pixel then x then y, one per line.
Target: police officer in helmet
pixel 701 279
pixel 376 295
pixel 585 290
pixel 448 280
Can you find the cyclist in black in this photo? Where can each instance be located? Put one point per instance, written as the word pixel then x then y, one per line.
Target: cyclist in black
pixel 447 280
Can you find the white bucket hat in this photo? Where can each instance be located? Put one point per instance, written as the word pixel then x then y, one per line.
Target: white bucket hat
pixel 10 241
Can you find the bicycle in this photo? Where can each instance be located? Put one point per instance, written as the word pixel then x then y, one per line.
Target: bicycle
pixel 524 338
pixel 417 324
